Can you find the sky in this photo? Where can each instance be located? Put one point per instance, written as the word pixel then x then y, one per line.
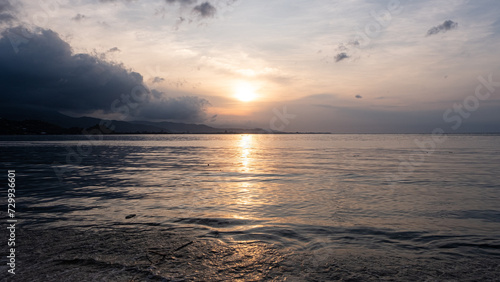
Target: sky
pixel 359 66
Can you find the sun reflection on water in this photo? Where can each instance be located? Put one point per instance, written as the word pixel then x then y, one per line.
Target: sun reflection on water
pixel 245 194
pixel 245 144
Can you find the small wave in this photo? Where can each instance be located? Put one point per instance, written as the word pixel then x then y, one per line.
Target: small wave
pixel 216 222
pixel 312 237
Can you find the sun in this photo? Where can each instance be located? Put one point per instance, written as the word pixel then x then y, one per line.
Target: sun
pixel 245 92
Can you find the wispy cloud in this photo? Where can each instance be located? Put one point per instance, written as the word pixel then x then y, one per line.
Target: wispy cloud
pixel 158 79
pixel 341 56
pixel 182 2
pixel 444 27
pixel 113 1
pixel 79 17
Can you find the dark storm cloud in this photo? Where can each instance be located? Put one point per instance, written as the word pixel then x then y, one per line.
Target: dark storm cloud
pixel 205 10
pixel 6 12
pixel 444 27
pixel 186 108
pixel 44 72
pixel 340 56
pixel 6 18
pixel 78 17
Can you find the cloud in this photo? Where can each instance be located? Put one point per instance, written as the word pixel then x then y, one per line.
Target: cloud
pixel 113 1
pixel 79 17
pixel 319 96
pixel 205 10
pixel 358 97
pixel 198 12
pixel 103 24
pixel 444 27
pixel 342 47
pixel 6 12
pixel 340 56
pixel 6 18
pixel 45 73
pixel 182 2
pixel 353 43
pixel 158 79
pixel 114 49
pixel 185 108
pixel 213 118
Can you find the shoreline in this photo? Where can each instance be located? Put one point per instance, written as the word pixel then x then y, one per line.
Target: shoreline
pixel 170 253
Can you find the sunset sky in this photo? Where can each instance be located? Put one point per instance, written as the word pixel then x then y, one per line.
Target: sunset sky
pixel 316 65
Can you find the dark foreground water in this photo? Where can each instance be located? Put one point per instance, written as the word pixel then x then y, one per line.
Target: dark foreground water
pixel 255 207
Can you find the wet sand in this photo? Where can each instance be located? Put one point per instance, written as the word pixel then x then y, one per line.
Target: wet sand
pixel 174 253
pixel 125 254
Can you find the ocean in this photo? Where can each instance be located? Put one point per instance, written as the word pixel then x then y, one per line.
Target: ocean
pixel 295 207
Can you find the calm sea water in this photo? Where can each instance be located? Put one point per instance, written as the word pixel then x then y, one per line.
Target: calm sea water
pixel 301 192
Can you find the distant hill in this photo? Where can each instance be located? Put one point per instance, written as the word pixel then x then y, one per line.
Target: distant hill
pixel 174 127
pixel 37 120
pixel 33 127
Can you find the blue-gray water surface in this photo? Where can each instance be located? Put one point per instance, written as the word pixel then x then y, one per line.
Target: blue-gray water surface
pixel 400 194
